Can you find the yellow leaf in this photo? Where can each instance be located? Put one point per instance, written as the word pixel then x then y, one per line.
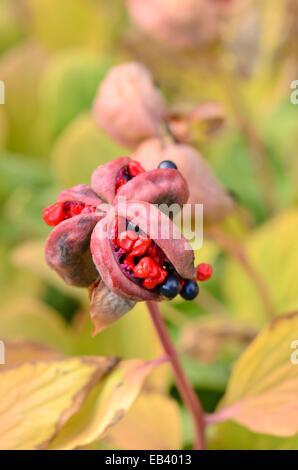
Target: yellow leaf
pixel 154 422
pixel 131 336
pixel 37 399
pixel 105 406
pixel 18 352
pixel 262 392
pixel 272 250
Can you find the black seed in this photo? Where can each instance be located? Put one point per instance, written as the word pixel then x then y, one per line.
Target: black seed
pixel 132 227
pixel 170 288
pixel 190 290
pixel 167 164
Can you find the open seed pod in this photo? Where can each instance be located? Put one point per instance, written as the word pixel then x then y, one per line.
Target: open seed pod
pixel 114 239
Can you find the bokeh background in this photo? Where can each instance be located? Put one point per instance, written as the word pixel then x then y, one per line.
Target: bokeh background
pixel 53 56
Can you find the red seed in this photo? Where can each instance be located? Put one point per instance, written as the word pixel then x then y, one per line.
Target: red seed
pixel 150 282
pixel 161 275
pixel 204 272
pixel 146 268
pixel 135 168
pixel 129 262
pixel 75 208
pixel 120 182
pixel 54 214
pixel 127 239
pixel 153 253
pixel 141 246
pixel 150 271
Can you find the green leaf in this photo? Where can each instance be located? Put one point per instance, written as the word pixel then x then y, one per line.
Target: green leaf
pixel 15 172
pixel 21 69
pixel 115 339
pixel 232 163
pixel 10 25
pixel 30 257
pixel 3 128
pixel 30 319
pixel 80 149
pixel 272 250
pixel 71 23
pixel 68 87
pixel 232 436
pixel 207 376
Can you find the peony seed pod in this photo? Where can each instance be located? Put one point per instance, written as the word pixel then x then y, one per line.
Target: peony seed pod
pixel 204 188
pixel 128 105
pixel 114 239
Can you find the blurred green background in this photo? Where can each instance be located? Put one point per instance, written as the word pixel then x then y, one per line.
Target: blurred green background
pixel 53 56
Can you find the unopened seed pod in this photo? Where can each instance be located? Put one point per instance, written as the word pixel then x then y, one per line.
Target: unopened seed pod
pixel 128 105
pixel 179 23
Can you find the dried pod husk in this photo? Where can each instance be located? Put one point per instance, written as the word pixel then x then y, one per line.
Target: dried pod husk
pixel 103 180
pixel 106 306
pixel 179 23
pixel 204 188
pixel 157 187
pixel 80 193
pixel 128 105
pixel 68 250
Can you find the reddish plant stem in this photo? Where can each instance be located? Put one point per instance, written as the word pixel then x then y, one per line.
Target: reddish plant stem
pixel 185 389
